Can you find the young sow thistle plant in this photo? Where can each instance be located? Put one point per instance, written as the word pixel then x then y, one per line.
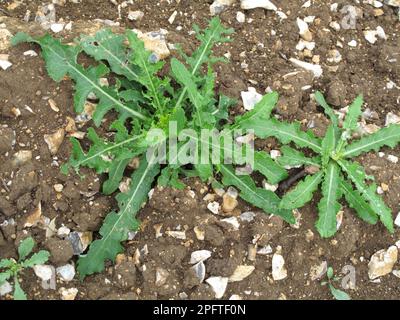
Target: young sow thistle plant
pixel 336 293
pixel 146 102
pixel 336 173
pixel 13 268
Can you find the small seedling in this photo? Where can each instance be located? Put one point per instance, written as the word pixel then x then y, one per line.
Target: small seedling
pixel 337 293
pixel 13 268
pixel 332 166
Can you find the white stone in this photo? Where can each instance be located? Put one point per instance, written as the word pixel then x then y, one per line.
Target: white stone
pixel 68 294
pixel 213 207
pixel 58 187
pixel 335 25
pixel 161 276
pixel 372 35
pixel 135 15
pixel 281 16
pixel 66 272
pixel 352 43
pixel 250 98
pixel 21 157
pixel 252 4
pixel 334 7
pixel 247 216
pixel 241 272
pixel 200 270
pixel 199 256
pixel 279 271
pixel 303 29
pixel 177 234
pixel 318 271
pixel 396 273
pixel 68 26
pixel 270 187
pixel 392 158
pixel 235 297
pixel 30 53
pixel 265 250
pixel 275 154
pixel 232 192
pixel 391 85
pixel 303 44
pixel 4 64
pixel 381 33
pixel 375 3
pixel 382 262
pixel 218 284
pixel 57 27
pixel 334 56
pixel 316 69
pixel 339 219
pixel 63 231
pixel 309 19
pixel 171 19
pixel 393 3
pixel 397 220
pixel 155 41
pixel 240 17
pixel 219 5
pixel 44 272
pixel 233 221
pixel 392 118
pixel 5 288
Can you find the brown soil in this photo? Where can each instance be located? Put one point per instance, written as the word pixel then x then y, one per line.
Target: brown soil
pixel 365 69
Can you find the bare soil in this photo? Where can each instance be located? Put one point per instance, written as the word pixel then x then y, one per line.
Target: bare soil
pixel 80 206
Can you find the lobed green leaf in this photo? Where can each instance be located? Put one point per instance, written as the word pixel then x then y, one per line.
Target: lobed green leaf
pixel 19 294
pixel 283 131
pixel 40 257
pixel 389 136
pixel 294 158
pixel 328 145
pixel 356 201
pixel 116 226
pixel 328 111
pixel 4 276
pixel 262 110
pixel 353 114
pixel 356 174
pixel 108 46
pixel 302 193
pixel 261 198
pixel 25 248
pixel 264 164
pixel 61 60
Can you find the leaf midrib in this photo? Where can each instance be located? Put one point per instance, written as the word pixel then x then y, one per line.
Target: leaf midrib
pixel 121 63
pixel 106 150
pixel 307 142
pixel 350 151
pixel 330 194
pixel 316 177
pixel 122 213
